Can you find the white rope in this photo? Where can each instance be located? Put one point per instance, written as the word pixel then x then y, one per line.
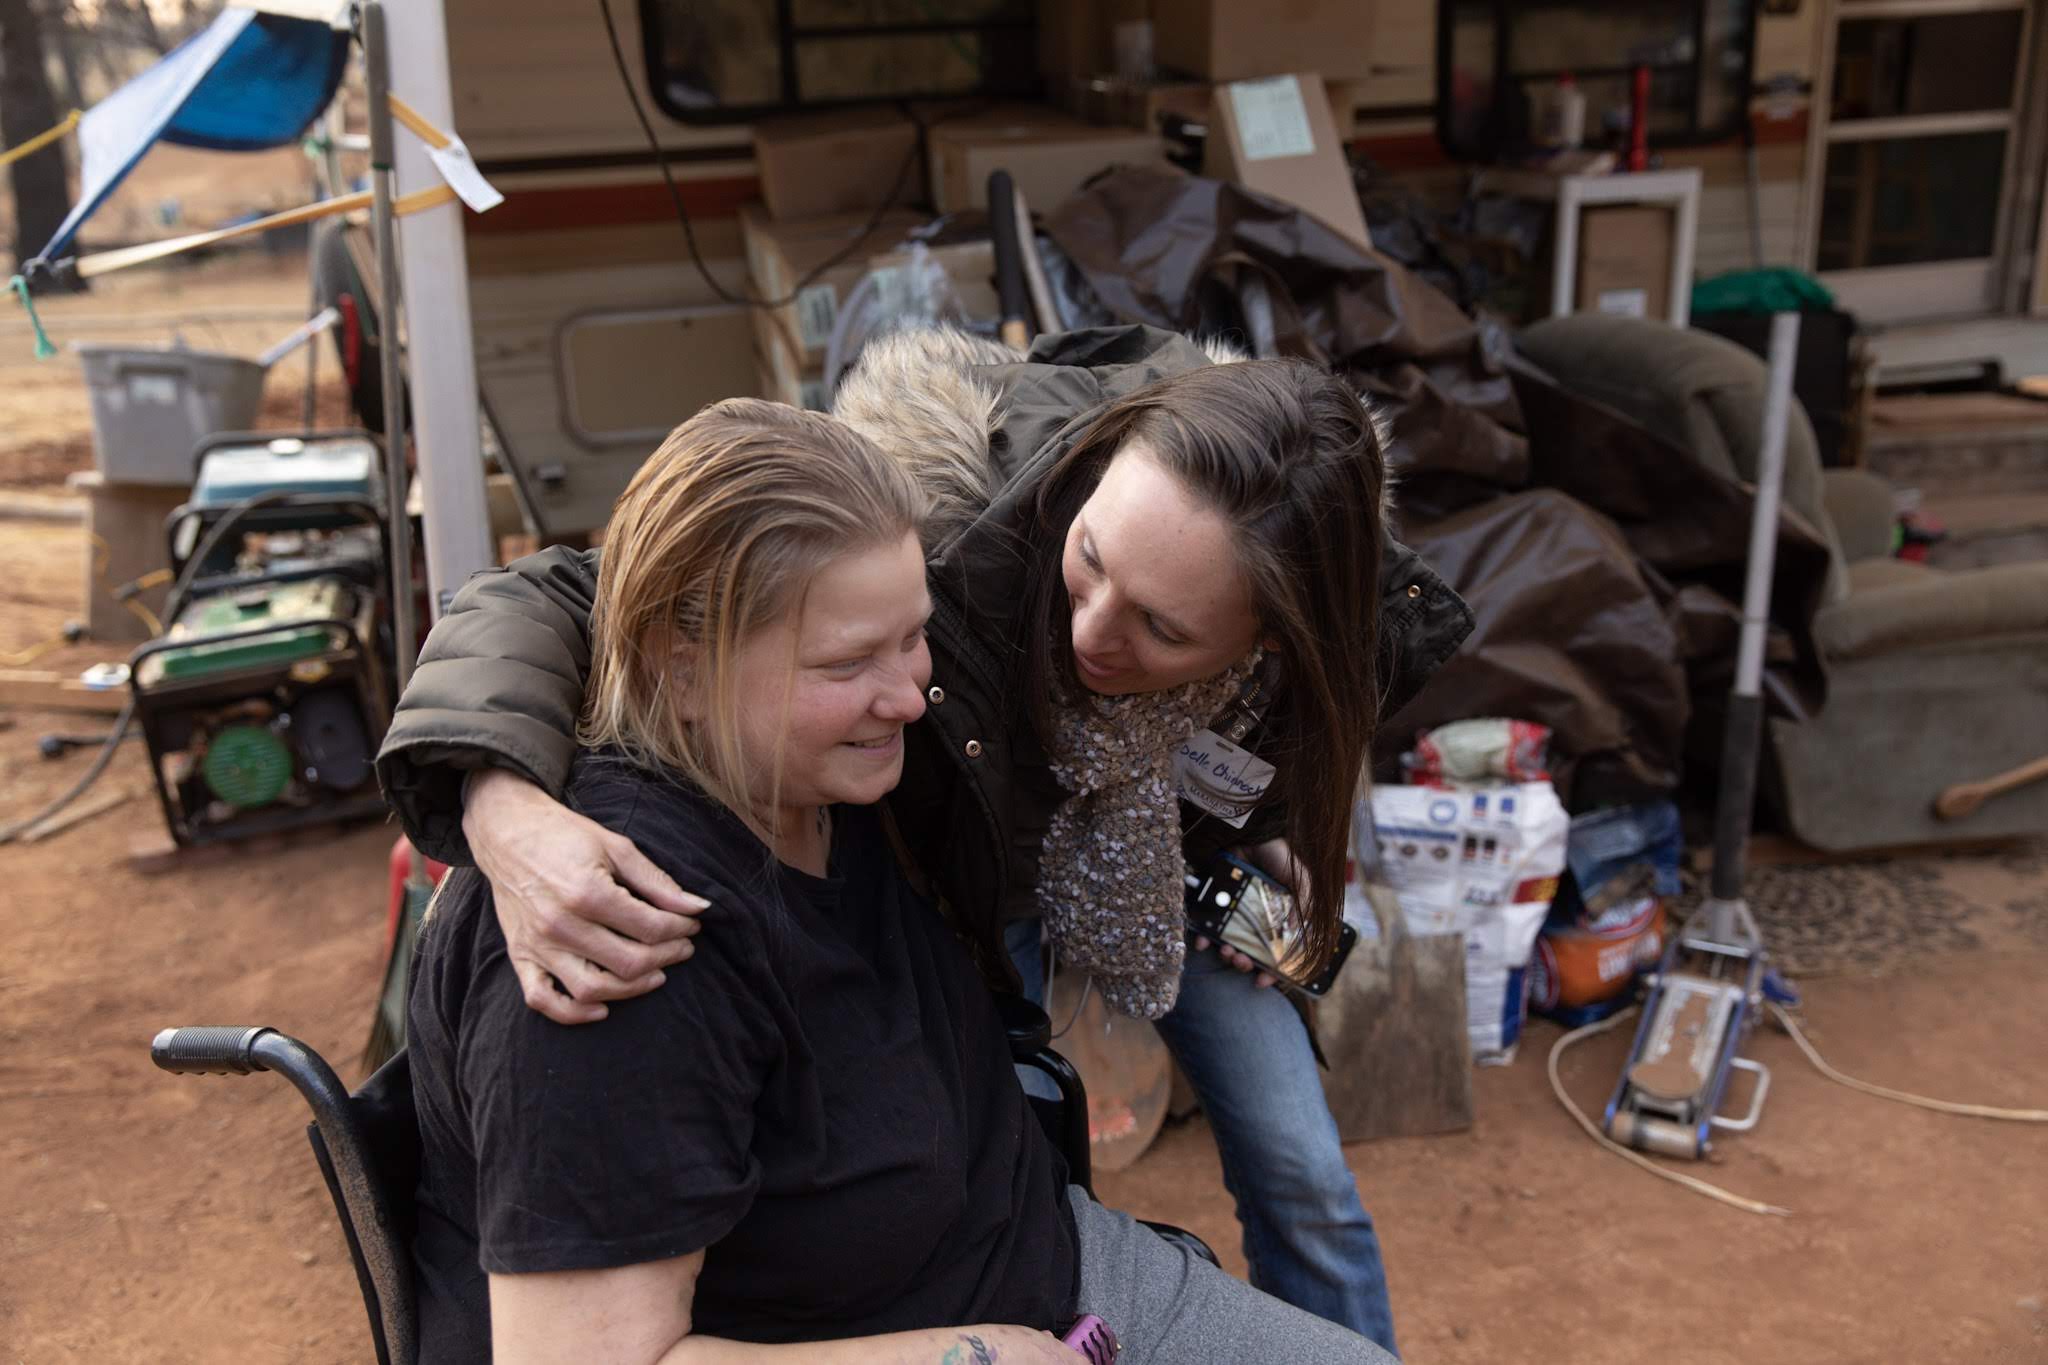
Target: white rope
pixel 1693 1183
pixel 1974 1111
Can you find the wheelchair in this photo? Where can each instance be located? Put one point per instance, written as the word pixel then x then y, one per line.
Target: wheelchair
pixel 367 1146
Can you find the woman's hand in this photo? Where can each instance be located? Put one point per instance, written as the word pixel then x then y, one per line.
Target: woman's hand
pixel 587 918
pixel 1276 860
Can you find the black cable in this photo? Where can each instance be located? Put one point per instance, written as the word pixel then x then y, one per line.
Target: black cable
pixel 9 833
pixel 675 194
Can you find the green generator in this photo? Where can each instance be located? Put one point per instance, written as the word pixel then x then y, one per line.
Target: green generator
pixel 264 701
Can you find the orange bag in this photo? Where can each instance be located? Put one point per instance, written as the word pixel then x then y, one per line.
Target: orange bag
pixel 1576 966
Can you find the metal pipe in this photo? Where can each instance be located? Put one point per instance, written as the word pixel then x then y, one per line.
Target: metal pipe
pixel 448 441
pixel 376 58
pixel 1744 736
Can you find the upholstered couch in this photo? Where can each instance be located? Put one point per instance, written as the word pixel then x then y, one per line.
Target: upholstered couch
pixel 1933 677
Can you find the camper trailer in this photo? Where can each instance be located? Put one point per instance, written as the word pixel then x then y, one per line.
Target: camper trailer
pixel 1913 190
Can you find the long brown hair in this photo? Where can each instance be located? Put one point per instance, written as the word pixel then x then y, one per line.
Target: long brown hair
pixel 1291 459
pixel 719 534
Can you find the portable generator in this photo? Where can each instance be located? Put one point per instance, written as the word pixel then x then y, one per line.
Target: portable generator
pixel 263 702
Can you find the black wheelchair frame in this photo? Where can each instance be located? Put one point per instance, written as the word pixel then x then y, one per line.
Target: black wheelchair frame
pixel 368 1148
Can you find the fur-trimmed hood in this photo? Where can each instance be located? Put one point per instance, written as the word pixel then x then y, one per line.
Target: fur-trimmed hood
pixel 935 398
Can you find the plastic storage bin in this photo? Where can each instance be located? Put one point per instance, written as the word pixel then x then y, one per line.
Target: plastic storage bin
pixel 151 406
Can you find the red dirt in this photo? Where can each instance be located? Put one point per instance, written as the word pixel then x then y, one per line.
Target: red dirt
pixel 146 1217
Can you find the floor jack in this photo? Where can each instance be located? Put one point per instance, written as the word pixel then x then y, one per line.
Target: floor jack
pixel 1712 984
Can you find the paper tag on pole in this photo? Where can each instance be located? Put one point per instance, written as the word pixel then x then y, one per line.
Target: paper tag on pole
pixel 456 167
pixel 1221 778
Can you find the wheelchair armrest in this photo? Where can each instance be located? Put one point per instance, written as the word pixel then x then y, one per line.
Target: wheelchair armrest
pixel 1064 1120
pixel 1028 1027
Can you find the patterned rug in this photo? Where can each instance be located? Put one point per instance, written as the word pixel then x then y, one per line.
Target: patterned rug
pixel 1881 915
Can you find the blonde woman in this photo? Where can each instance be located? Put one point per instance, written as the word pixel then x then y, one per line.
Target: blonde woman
pixel 812 1139
pixel 1125 527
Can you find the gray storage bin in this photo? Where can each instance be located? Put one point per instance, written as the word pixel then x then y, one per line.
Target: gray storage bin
pixel 152 405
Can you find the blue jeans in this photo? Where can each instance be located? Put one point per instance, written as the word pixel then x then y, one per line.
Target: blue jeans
pixel 1307 1237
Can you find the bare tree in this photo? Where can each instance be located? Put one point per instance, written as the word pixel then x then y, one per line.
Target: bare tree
pixel 64 38
pixel 27 107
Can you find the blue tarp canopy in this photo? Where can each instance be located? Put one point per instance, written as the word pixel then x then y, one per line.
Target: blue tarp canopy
pixel 246 82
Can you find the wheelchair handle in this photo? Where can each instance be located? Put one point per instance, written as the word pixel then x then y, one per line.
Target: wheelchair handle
pixel 208 1050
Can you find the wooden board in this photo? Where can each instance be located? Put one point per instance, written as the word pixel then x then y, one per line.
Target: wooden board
pixel 1394 1031
pixel 40 690
pixel 1951 411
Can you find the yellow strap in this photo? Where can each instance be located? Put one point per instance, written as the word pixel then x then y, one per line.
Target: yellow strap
pixel 413 119
pixel 106 262
pixel 40 140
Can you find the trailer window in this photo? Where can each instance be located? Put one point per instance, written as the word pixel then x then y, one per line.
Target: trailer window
pixel 714 61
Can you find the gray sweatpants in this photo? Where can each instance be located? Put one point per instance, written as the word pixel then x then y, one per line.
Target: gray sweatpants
pixel 1170 1307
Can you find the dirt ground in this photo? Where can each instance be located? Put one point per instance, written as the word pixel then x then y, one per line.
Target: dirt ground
pixel 145 1217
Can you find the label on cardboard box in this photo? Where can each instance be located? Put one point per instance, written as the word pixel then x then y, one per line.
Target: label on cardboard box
pixel 817 308
pixel 1624 303
pixel 1272 118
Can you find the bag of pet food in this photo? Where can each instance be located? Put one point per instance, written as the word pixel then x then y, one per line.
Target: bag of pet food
pixel 1608 924
pixel 1482 861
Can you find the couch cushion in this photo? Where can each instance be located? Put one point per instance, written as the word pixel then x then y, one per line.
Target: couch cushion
pixel 1861 505
pixel 1900 606
pixel 1698 390
pixel 1871 575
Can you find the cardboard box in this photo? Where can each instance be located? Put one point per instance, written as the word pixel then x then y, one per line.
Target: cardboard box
pixel 1277 136
pixel 1049 154
pixel 1078 37
pixel 1625 260
pixel 1111 103
pixel 844 162
pixel 1230 40
pixel 781 253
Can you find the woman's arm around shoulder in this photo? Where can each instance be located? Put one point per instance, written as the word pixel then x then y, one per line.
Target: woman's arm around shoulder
pixel 499 684
pixel 483 738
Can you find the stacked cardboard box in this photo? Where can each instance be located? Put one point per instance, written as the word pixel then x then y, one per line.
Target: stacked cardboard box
pixel 1276 135
pixel 1233 40
pixel 841 162
pixel 1049 153
pixel 1279 85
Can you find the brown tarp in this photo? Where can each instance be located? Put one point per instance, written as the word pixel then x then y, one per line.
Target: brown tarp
pixel 1602 563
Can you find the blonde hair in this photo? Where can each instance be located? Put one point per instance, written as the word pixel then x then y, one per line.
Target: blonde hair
pixel 719 534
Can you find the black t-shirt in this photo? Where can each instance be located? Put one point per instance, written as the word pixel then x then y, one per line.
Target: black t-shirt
pixel 821 1098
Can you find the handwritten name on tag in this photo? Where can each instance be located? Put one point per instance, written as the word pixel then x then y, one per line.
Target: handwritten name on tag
pixel 1220 778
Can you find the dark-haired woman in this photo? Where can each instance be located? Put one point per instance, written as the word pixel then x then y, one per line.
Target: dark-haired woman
pixel 1134 543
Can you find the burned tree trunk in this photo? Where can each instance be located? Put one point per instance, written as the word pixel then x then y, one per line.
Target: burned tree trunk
pixel 27 107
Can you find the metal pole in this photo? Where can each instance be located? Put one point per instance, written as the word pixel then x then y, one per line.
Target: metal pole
pixel 376 56
pixel 1744 736
pixel 441 356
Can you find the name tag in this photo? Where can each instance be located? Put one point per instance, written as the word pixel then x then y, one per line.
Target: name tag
pixel 1220 778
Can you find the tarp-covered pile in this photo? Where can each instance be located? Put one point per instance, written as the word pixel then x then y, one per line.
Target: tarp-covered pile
pixel 1603 564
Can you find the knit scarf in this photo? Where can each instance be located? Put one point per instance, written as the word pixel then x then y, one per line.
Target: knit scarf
pixel 1111 875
